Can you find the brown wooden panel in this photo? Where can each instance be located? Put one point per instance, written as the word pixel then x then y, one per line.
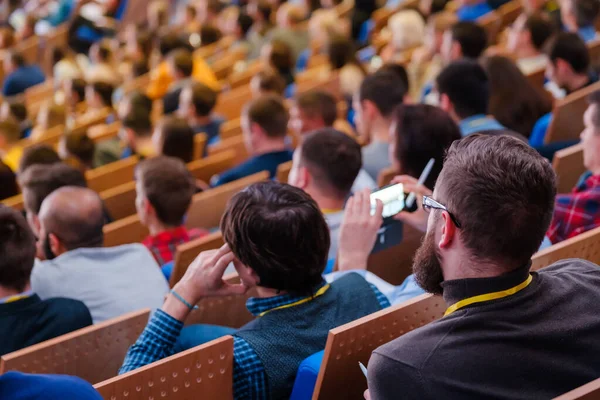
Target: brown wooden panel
pixel 187 252
pixel 585 246
pixel 568 165
pixel 205 168
pixel 230 104
pixel 204 372
pixel 339 376
pixel 231 128
pixel 235 143
pixel 111 175
pixel 590 391
pixel 124 231
pixel 94 353
pixel 283 171
pixel 120 200
pixel 15 202
pixel 199 145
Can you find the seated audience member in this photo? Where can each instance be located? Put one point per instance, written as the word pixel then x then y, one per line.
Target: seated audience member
pixel 463 40
pixel 173 137
pixel 261 12
pixel 111 281
pixel 26 29
pixel 267 81
pixel 325 166
pixel 37 154
pixel 181 64
pixel 407 29
pixel 18 386
pixel 290 30
pixel 50 116
pixel 98 96
pixel 526 40
pixel 279 56
pixel 421 132
pixel 471 10
pixel 100 68
pixel 579 16
pixel 196 104
pixel 18 75
pixel 8 182
pixel 190 19
pixel 464 93
pixel 579 211
pixel 64 66
pixel 136 134
pixel 569 63
pixel 514 102
pixel 465 261
pixel 74 92
pixel 77 150
pixel 161 78
pixel 342 59
pixel 18 112
pixel 209 34
pixel 135 99
pixel 10 150
pixel 25 318
pixel 242 27
pixel 264 125
pixel 379 94
pixel 278 241
pixel 38 181
pixel 164 189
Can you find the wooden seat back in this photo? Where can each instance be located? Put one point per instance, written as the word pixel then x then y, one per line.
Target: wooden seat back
pixel 230 104
pixel 537 78
pixel 589 391
pixel 208 207
pixel 355 341
pixel 283 171
pixel 120 200
pixel 243 78
pixel 205 168
pixel 104 132
pixel 15 202
pixel 94 353
pixel 235 143
pixel 231 128
pixel 491 22
pixel 124 231
pixel 585 246
pixel 199 145
pixel 111 175
pixel 510 11
pixel 51 138
pixel 594 51
pixel 568 165
pixel 187 252
pixel 203 372
pixel 567 115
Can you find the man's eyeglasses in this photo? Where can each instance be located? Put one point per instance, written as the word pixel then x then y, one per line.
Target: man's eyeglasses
pixel 429 203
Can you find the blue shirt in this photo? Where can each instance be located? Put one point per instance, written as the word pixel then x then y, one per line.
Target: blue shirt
pixel 249 376
pixel 264 162
pixel 473 12
pixel 587 33
pixel 478 123
pixel 211 130
pixel 19 386
pixel 22 79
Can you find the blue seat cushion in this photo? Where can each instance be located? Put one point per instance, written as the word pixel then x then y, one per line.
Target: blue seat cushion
pixel 306 378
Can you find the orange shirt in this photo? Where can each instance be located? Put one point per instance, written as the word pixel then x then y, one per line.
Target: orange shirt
pixel 161 79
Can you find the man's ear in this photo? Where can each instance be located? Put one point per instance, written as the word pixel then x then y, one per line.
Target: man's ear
pixel 448 234
pixel 304 177
pixel 370 110
pixel 247 275
pixel 147 207
pixel 562 65
pixel 55 244
pixel 445 103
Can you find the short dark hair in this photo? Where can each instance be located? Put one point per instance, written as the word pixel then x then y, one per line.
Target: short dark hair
pixel 17 249
pixel 209 34
pixel 269 80
pixel 139 99
pixel 423 132
pixel 177 139
pixel 341 51
pixel 18 110
pixel 182 61
pixel 385 89
pixel 38 154
pixel 466 84
pixel 318 103
pixel 471 37
pixel 282 57
pixel 399 70
pixel 38 181
pixel 8 182
pixel 80 146
pixel 105 91
pixel 138 120
pixel 502 192
pixel 278 231
pixel 140 67
pixel 541 28
pixel 333 159
pixel 245 22
pixel 586 12
pixel 270 114
pixel 204 99
pixel 571 48
pixel 169 42
pixel 168 186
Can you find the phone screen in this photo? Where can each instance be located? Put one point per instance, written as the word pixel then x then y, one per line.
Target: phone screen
pixel 392 198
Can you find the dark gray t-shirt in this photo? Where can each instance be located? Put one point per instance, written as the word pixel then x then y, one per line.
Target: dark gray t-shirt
pixel 536 344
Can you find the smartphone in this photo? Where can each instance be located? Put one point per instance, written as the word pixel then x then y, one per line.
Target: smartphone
pixel 392 197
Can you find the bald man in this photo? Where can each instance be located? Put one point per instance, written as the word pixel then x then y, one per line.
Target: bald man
pixel 110 281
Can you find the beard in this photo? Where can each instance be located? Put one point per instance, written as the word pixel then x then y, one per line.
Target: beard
pixel 427 267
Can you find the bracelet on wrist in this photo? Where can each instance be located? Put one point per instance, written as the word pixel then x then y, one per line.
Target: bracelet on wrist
pixel 181 299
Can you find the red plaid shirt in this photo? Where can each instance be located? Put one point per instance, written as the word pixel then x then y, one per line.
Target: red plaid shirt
pixel 163 245
pixel 576 212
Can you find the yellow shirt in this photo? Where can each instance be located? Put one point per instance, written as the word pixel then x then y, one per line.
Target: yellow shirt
pixel 13 157
pixel 161 79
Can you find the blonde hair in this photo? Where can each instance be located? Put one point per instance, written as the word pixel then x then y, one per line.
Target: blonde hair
pixel 408 29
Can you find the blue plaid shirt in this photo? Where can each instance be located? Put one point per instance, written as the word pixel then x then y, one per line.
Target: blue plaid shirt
pixel 249 375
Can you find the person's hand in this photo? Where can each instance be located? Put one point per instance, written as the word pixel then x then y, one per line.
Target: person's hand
pixel 367 395
pixel 418 218
pixel 203 278
pixel 358 231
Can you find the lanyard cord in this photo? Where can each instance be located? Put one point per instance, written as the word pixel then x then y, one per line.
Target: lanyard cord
pixel 296 303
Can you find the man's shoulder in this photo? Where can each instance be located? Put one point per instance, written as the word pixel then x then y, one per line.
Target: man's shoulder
pixel 68 310
pixel 574 268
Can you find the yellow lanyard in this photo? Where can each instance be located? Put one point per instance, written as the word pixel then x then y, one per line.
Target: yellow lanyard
pixel 296 303
pixel 330 210
pixel 488 296
pixel 16 298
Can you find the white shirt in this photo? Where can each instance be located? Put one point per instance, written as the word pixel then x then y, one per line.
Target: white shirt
pixel 528 65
